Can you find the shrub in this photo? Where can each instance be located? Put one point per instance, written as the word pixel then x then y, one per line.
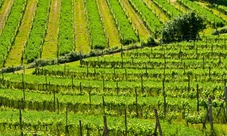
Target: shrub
pixel 183 27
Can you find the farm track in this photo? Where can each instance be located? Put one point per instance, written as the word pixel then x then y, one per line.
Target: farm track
pixel 4 12
pixel 51 39
pixel 81 27
pixel 15 54
pixel 108 22
pixel 156 10
pixel 136 20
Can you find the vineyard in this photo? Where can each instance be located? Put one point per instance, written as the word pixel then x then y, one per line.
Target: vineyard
pixel 50 29
pixel 170 89
pixel 176 79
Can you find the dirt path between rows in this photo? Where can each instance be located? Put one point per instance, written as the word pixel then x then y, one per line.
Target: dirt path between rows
pixel 4 12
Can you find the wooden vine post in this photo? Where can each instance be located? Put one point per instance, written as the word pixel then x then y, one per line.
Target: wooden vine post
pixel 142 88
pixel 81 58
pixel 136 96
pixel 58 105
pixel 203 62
pixel 87 70
pixel 64 69
pixel 105 132
pixel 197 97
pixel 157 125
pixel 2 72
pixel 54 100
pixel 209 72
pixel 89 93
pixel 225 81
pixel 80 88
pixel 164 95
pixel 126 74
pixel 122 62
pixel 225 43
pixel 80 125
pixel 146 71
pixel 20 121
pixel 66 120
pixel 103 84
pixel 117 88
pixel 103 104
pixel 23 88
pixel 46 81
pixel 219 58
pixel 126 127
pixel 211 116
pixel 114 72
pixel 72 82
pixel 189 85
pixel 226 100
pixel 164 72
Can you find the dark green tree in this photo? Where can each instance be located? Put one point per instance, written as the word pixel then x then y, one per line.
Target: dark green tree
pixel 184 27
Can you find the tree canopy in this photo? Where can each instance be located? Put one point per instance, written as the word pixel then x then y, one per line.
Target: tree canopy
pixel 184 27
pixel 220 2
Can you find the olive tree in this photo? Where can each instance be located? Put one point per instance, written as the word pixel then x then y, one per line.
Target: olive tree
pixel 184 27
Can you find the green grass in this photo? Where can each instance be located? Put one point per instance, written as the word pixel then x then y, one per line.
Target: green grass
pixel 49 47
pixel 84 92
pixel 143 32
pixel 4 13
pixel 16 52
pixel 157 11
pixel 81 27
pixel 108 24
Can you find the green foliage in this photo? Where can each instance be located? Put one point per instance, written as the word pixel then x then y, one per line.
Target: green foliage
pixel 98 37
pixel 220 2
pixel 222 30
pixel 169 10
pixel 151 21
pixel 1 2
pixel 124 27
pixel 184 27
pixel 81 86
pixel 10 30
pixel 66 28
pixel 37 34
pixel 221 8
pixel 211 18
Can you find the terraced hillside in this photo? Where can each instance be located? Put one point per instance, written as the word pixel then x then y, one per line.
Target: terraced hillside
pixel 71 99
pixel 39 29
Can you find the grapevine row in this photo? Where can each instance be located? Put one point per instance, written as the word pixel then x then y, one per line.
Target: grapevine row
pixel 221 8
pixel 37 35
pixel 66 28
pixel 151 21
pixel 1 2
pixel 11 27
pixel 136 75
pixel 55 123
pixel 97 34
pixel 124 26
pixel 209 16
pixel 77 86
pixel 167 8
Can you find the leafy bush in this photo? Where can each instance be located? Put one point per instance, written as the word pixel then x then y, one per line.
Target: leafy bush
pixel 183 27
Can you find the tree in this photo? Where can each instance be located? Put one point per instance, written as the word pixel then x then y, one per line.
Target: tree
pixel 183 27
